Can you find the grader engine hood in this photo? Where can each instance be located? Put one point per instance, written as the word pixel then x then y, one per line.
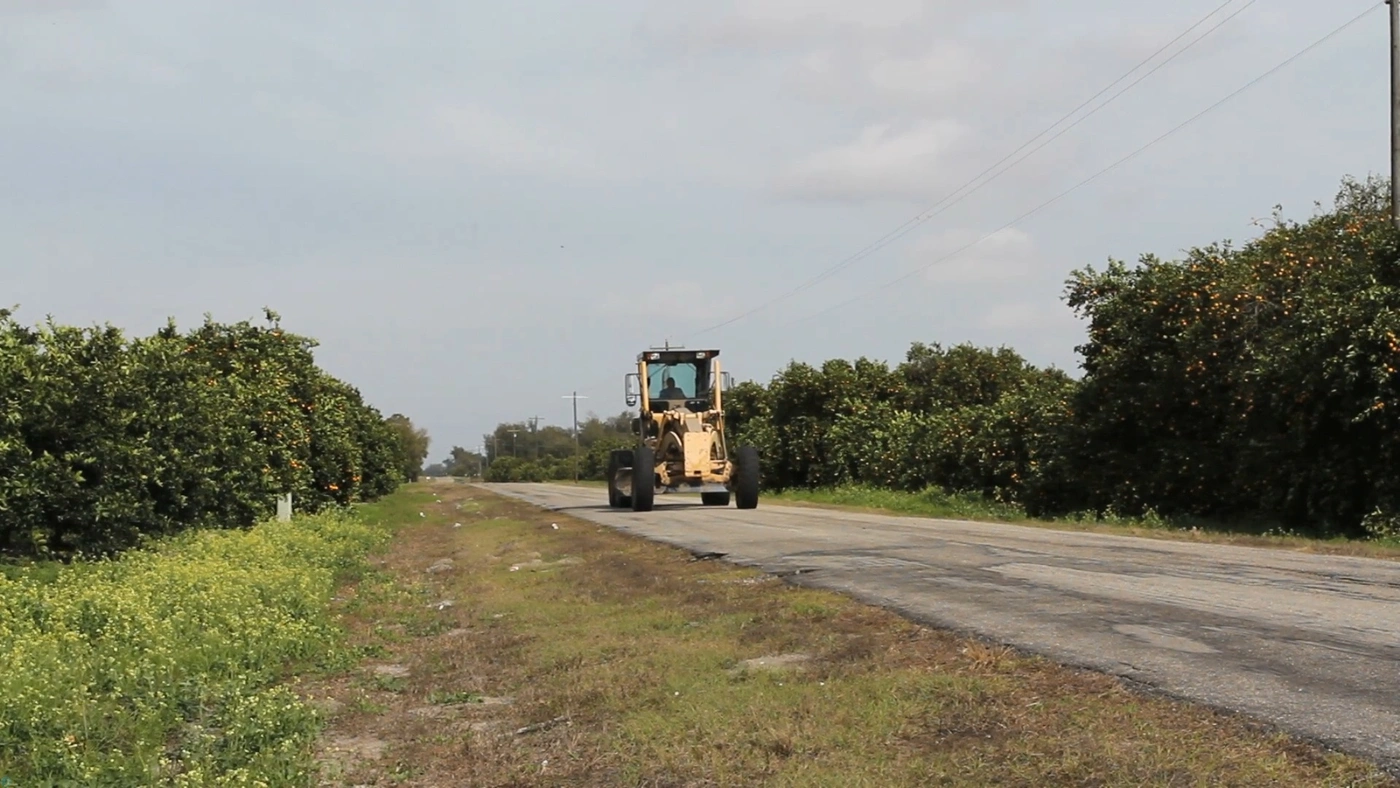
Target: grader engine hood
pixel 698 449
pixel 687 439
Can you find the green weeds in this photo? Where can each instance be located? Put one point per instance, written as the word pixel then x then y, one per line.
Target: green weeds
pixel 163 666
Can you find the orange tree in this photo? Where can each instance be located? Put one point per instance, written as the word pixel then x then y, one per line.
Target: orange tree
pixel 961 418
pixel 1257 382
pixel 413 445
pixel 105 440
pixel 805 406
pixel 311 427
pixel 593 462
pixel 748 420
pixel 382 457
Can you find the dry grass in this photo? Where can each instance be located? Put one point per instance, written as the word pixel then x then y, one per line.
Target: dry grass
pixel 579 656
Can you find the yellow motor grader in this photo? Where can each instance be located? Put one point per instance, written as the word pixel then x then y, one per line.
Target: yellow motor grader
pixel 681 445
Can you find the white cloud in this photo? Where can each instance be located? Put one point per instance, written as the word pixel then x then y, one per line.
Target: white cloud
pixel 69 55
pixel 772 26
pixel 881 162
pixel 432 132
pixel 1004 256
pixel 1024 318
pixel 929 76
pixel 677 303
pixel 354 85
pixel 23 7
pixel 940 71
pixel 829 13
pixel 466 132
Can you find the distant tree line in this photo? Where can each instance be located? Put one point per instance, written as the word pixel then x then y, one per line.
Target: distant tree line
pixel 1257 382
pixel 526 451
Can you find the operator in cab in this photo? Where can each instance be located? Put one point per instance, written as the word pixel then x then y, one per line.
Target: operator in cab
pixel 672 391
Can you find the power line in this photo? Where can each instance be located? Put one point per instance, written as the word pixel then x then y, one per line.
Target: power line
pixel 1061 132
pixel 1100 173
pixel 944 204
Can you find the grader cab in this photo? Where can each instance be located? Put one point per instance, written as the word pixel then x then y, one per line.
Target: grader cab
pixel 681 443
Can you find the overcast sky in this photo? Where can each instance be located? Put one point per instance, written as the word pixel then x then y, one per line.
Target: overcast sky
pixel 479 207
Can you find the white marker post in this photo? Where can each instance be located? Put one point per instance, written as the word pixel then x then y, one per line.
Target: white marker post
pixel 284 508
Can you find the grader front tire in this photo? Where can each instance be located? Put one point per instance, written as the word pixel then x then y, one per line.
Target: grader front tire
pixel 643 479
pixel 746 478
pixel 617 460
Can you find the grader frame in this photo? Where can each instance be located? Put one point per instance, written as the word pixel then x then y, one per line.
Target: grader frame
pixel 681 441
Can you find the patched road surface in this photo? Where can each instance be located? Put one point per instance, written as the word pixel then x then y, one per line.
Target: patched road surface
pixel 1310 643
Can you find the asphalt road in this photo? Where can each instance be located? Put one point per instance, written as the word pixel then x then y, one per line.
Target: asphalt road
pixel 1310 643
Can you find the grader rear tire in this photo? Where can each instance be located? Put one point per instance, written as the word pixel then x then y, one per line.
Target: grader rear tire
pixel 746 478
pixel 617 460
pixel 613 493
pixel 643 479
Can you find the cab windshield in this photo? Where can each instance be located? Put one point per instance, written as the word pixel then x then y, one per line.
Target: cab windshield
pixel 678 381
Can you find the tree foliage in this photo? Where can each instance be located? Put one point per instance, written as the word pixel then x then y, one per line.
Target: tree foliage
pixel 522 452
pixel 460 462
pixel 962 418
pixel 1256 382
pixel 1259 380
pixel 413 445
pixel 105 439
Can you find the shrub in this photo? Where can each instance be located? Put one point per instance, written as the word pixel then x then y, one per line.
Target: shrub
pixel 106 440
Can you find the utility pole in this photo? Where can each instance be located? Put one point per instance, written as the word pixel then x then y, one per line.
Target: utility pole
pixel 575 397
pixel 534 443
pixel 1394 111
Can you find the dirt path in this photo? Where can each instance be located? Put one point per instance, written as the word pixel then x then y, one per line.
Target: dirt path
pixel 1308 642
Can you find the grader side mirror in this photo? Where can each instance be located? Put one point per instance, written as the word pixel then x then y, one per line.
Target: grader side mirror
pixel 630 386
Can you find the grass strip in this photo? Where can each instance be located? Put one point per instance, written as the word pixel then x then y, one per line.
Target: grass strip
pixel 937 503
